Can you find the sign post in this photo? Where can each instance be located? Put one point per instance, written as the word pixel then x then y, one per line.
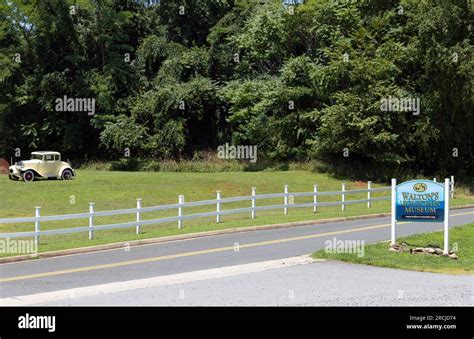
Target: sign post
pixel 421 201
pixel 446 216
pixel 394 211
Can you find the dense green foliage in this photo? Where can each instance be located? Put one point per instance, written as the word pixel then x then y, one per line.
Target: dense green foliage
pixel 301 83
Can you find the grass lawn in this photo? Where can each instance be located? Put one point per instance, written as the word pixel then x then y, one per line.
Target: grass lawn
pixel 461 239
pixel 119 190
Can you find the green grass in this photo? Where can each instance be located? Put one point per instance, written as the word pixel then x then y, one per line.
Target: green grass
pixel 119 190
pixel 460 238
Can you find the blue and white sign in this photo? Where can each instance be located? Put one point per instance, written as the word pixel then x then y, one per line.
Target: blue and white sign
pixel 420 200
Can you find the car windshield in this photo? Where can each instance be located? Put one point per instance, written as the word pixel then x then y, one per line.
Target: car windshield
pixel 36 157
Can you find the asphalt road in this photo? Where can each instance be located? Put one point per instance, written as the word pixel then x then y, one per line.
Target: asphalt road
pixel 317 284
pixel 75 271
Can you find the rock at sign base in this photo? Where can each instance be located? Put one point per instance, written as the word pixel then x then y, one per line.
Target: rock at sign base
pixel 399 248
pixel 453 256
pixel 432 250
pixel 395 248
pixel 4 166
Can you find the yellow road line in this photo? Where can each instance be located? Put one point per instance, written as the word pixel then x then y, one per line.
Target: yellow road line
pixel 455 215
pixel 188 254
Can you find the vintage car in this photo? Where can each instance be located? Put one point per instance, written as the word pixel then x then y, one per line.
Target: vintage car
pixel 41 165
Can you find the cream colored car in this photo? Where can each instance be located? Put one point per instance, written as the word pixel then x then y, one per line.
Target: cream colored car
pixel 42 165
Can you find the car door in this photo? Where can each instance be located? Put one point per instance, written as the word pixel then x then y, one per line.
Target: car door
pixel 49 165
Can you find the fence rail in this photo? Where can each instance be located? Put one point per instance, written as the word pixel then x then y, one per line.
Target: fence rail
pixel 288 202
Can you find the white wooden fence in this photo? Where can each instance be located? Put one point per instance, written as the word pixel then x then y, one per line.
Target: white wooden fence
pixel 288 202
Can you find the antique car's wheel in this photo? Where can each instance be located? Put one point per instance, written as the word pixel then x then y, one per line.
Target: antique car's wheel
pixel 28 176
pixel 66 175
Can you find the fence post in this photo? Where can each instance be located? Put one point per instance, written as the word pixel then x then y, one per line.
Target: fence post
pixel 253 201
pixel 37 225
pixel 315 198
pixel 343 207
pixel 139 206
pixel 218 207
pixel 285 210
pixel 91 221
pixel 180 211
pixel 369 186
pixel 452 186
